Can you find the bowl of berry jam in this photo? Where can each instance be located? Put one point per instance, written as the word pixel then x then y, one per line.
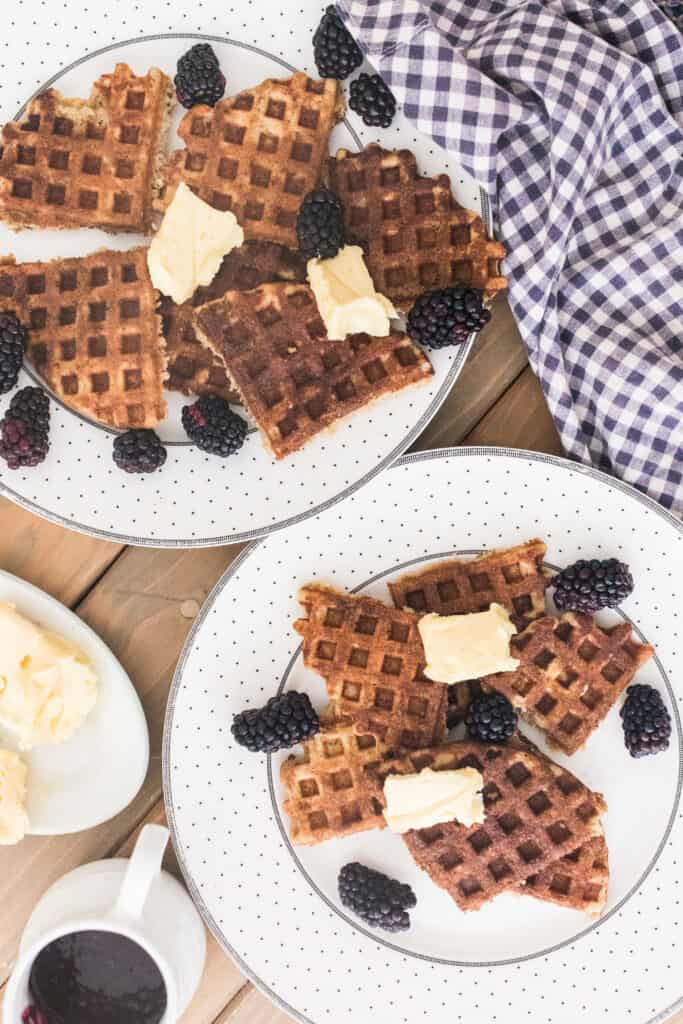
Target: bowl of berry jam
pixel 117 942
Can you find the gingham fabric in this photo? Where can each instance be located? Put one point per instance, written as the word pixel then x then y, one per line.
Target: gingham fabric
pixel 570 113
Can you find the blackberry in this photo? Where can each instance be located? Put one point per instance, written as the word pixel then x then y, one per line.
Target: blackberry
pixel 199 78
pixel 284 721
pixel 380 901
pixel 447 316
pixel 139 451
pixel 335 50
pixel 12 347
pixel 320 225
pixel 588 586
pixel 25 428
pixel 646 721
pixel 491 718
pixel 212 425
pixel 373 100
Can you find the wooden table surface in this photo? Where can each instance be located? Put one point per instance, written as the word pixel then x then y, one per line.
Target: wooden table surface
pixel 142 601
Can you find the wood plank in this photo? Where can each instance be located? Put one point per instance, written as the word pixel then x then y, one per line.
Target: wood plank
pixel 251 1007
pixel 62 562
pixel 497 358
pixel 142 608
pixel 519 419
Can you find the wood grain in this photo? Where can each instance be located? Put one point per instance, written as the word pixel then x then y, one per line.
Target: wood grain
pixel 520 419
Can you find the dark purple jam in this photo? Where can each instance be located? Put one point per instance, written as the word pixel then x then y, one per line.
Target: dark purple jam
pixel 96 978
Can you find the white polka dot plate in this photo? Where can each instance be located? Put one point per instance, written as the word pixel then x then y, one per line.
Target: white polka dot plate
pixel 197 499
pixel 274 907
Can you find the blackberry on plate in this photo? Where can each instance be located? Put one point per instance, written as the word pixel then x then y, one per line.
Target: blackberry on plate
pixel 335 50
pixel 199 78
pixel 645 720
pixel 13 339
pixel 139 451
pixel 320 225
pixel 212 425
pixel 284 721
pixel 491 718
pixel 25 428
pixel 587 586
pixel 447 316
pixel 380 901
pixel 372 99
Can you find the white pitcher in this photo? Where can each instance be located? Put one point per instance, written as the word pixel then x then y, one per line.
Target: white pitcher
pixel 132 897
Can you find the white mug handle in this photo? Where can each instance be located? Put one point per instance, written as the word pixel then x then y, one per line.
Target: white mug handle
pixel 143 867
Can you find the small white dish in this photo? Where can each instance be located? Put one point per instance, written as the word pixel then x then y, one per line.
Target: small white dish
pixel 76 785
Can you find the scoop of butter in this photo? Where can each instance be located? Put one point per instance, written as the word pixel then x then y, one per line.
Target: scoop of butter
pixel 47 685
pixel 427 798
pixel 189 246
pixel 459 647
pixel 346 297
pixel 13 816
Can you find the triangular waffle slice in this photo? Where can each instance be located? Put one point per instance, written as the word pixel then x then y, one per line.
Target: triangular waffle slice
pixel 512 577
pixel 578 880
pixel 536 812
pixel 258 153
pixel 371 658
pixel 292 379
pixel 194 369
pixel 415 235
pixel 95 163
pixel 571 672
pixel 94 333
pixel 328 791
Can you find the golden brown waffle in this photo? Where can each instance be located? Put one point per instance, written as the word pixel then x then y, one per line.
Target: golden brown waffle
pixel 512 577
pixel 88 163
pixel 570 674
pixel 371 658
pixel 414 233
pixel 194 369
pixel 536 812
pixel 579 880
pixel 94 333
pixel 258 153
pixel 328 792
pixel 292 379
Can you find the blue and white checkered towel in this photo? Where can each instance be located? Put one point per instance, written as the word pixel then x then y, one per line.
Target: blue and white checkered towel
pixel 570 112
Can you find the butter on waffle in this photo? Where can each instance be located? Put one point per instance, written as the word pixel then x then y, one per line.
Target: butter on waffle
pixel 415 235
pixel 328 792
pixel 570 674
pixel 578 880
pixel 194 369
pixel 292 379
pixel 94 333
pixel 512 577
pixel 258 153
pixel 95 163
pixel 371 658
pixel 536 812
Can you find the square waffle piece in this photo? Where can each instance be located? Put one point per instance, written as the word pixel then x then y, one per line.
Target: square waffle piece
pixel 94 333
pixel 292 379
pixel 194 369
pixel 258 153
pixel 535 812
pixel 415 235
pixel 94 163
pixel 371 658
pixel 570 674
pixel 328 793
pixel 578 880
pixel 512 577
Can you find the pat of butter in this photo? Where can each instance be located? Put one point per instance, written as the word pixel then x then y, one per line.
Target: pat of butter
pixel 429 798
pixel 459 647
pixel 190 245
pixel 13 816
pixel 346 297
pixel 47 685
